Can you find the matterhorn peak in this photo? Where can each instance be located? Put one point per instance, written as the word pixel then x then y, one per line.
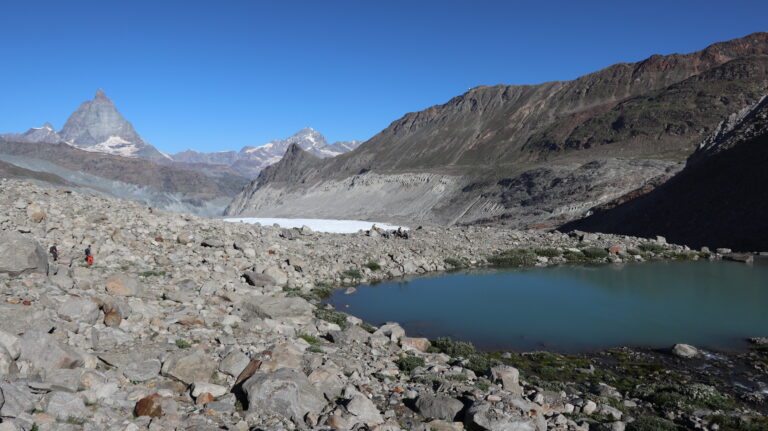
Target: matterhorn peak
pixel 101 95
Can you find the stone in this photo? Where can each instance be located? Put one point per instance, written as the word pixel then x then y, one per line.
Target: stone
pixel 418 344
pixel 63 379
pixel 205 387
pixel 258 280
pixel 123 285
pixel 438 407
pixel 142 371
pixel 189 367
pixel 11 343
pixel 149 406
pixel 113 319
pixel 660 239
pixel 78 310
pixel 203 398
pixel 483 417
pixel 509 378
pixel 685 351
pixel 723 250
pixel 185 238
pixel 589 407
pixel 234 363
pixel 16 400
pixel 277 274
pixel 7 363
pixel 391 330
pixel 352 334
pixel 212 242
pixel 285 392
pixel 64 406
pixel 21 254
pixel 739 257
pixel 363 409
pixel 292 309
pixel 45 353
pixel 327 380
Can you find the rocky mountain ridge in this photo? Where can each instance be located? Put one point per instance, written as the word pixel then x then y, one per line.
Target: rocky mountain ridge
pixel 498 152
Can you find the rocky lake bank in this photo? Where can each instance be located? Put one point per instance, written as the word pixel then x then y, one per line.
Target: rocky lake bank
pixel 191 323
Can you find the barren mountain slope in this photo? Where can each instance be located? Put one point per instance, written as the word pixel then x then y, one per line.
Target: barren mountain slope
pixel 504 151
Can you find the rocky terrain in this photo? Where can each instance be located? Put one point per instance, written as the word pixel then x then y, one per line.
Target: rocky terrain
pixel 719 199
pixel 200 324
pixel 499 152
pixel 250 160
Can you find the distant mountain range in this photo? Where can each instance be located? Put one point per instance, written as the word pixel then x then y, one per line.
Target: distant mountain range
pixel 249 161
pixel 97 126
pixel 526 155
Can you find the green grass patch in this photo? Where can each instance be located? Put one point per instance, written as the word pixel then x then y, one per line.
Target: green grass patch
pixel 595 253
pixel 457 377
pixel 408 363
pixel 477 361
pixel 454 262
pixel 652 423
pixel 513 258
pixel 737 423
pixel 548 252
pixel 183 344
pixel 352 273
pixel 309 339
pixel 373 266
pixel 332 316
pixel 651 247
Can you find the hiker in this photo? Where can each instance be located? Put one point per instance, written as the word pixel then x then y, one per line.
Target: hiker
pixel 54 252
pixel 88 255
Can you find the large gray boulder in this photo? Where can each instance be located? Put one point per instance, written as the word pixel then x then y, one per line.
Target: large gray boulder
pixel 292 309
pixel 285 392
pixel 21 254
pixel 17 399
pixel 77 310
pixel 438 407
pixel 483 416
pixel 189 367
pixel 509 378
pixel 45 353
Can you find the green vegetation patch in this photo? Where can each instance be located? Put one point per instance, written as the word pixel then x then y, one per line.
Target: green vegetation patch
pixel 454 262
pixel 652 423
pixel 686 397
pixel 332 316
pixel 513 258
pixel 352 273
pixel 152 273
pixel 479 362
pixel 408 363
pixel 651 247
pixel 373 266
pixel 183 344
pixel 548 252
pixel 309 339
pixel 595 252
pixel 739 423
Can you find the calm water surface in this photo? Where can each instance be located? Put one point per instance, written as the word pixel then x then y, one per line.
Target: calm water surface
pixel 577 308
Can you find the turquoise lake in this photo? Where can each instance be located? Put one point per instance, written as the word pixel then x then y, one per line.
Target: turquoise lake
pixel 714 305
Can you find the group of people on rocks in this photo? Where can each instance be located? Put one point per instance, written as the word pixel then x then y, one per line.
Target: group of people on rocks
pixel 399 233
pixel 54 251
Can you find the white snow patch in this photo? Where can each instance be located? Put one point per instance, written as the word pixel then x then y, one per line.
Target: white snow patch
pixel 114 145
pixel 318 225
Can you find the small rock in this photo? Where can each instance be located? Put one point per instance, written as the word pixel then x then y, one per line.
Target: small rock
pixel 149 406
pixel 684 351
pixel 122 285
pixel 419 344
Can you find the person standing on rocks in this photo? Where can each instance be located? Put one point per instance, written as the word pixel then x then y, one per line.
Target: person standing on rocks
pixel 88 255
pixel 54 252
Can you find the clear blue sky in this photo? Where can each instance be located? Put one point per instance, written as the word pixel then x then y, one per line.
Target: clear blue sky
pixel 219 75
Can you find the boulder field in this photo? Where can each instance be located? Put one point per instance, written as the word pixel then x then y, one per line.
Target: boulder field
pixel 191 323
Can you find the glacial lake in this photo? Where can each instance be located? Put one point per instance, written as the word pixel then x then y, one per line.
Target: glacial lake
pixel 566 308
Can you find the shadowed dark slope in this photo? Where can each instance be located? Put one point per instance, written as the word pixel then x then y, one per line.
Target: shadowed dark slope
pixel 719 200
